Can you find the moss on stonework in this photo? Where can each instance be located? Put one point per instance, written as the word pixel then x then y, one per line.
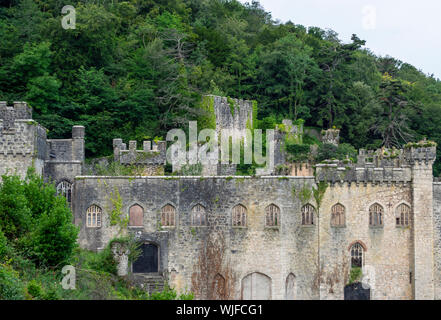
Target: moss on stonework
pixel 232 104
pixel 254 102
pixel 421 144
pixel 355 275
pixel 305 194
pixel 208 119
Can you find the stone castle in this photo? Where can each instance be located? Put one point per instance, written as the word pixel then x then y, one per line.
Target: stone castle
pixel 305 234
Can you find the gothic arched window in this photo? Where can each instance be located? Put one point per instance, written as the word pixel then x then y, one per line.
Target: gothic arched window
pixel 357 255
pixel 338 215
pixel 198 216
pixel 136 216
pixel 308 214
pixel 239 216
pixel 168 214
pixel 403 215
pixel 64 188
pixel 376 215
pixel 93 216
pixel 272 216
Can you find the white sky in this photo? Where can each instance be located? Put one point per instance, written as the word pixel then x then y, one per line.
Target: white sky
pixel 409 30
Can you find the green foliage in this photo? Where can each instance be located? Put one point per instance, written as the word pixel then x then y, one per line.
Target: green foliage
pixel 35 220
pixel 34 289
pixel 305 194
pixel 15 214
pixel 232 105
pixel 207 118
pixel 102 261
pixel 169 294
pixel 137 68
pixel 355 275
pixel 297 152
pixel 3 246
pixel 11 288
pixel 190 170
pixel 329 151
pixel 131 244
pixel 319 193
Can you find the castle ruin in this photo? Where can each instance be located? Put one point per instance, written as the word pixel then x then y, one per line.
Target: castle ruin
pixel 296 236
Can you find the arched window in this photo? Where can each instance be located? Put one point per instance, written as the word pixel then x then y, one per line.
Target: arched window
pixel 308 214
pixel 136 216
pixel 93 216
pixel 64 188
pixel 338 215
pixel 256 286
pixel 357 255
pixel 198 216
pixel 218 289
pixel 168 216
pixel 272 216
pixel 403 215
pixel 239 216
pixel 376 215
pixel 290 287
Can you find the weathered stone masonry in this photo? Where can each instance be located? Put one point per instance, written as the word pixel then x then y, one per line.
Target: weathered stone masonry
pixel 289 260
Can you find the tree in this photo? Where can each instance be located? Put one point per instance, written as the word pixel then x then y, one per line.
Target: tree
pixel 36 221
pixel 285 69
pixel 393 123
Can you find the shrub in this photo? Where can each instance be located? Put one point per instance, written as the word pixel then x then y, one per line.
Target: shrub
pixel 3 246
pixel 170 294
pixel 11 287
pixel 329 151
pixel 297 152
pixel 15 214
pixel 34 289
pixel 54 237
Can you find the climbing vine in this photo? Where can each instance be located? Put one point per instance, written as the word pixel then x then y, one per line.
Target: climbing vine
pixel 116 216
pixel 319 192
pixel 305 194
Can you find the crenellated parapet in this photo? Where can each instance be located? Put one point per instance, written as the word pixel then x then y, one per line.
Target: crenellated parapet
pixel 331 136
pixel 153 153
pixel 390 166
pixel 9 114
pixel 350 173
pixel 423 152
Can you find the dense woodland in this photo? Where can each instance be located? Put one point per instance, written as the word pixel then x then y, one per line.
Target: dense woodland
pixel 134 69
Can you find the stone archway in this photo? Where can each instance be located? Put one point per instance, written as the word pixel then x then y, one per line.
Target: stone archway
pixel 148 261
pixel 357 291
pixel 256 286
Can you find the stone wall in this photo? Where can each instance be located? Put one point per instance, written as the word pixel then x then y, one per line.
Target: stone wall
pixel 292 248
pixel 389 250
pixel 65 157
pixel 275 252
pixel 22 146
pixel 437 239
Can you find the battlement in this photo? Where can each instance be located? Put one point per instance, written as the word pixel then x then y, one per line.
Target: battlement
pixel 421 152
pixel 231 114
pixel 331 136
pixel 153 153
pixel 380 166
pixel 334 173
pixel 8 115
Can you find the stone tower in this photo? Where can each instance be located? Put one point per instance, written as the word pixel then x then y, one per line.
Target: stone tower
pixel 421 157
pixel 22 140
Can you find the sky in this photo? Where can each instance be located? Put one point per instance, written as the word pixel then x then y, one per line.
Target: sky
pixel 408 30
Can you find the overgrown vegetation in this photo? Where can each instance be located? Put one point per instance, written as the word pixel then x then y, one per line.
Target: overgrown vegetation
pixel 133 69
pixel 355 275
pixel 38 238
